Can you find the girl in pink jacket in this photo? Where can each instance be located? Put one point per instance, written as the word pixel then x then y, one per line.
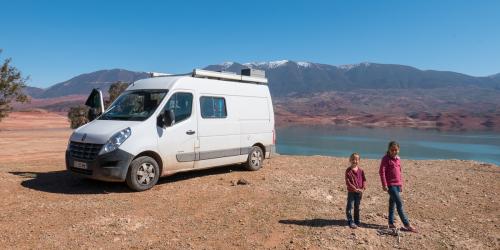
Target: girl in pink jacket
pixel 392 183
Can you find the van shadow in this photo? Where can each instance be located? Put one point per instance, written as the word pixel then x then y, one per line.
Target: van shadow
pixel 63 182
pixel 327 223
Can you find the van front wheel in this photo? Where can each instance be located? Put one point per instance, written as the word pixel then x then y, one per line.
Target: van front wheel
pixel 143 173
pixel 255 159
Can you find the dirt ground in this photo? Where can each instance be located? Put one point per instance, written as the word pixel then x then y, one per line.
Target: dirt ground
pixel 294 202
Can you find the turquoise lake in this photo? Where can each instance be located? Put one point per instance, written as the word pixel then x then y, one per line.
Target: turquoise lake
pixel 415 144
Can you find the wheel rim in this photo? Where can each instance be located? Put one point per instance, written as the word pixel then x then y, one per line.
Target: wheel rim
pixel 145 173
pixel 256 158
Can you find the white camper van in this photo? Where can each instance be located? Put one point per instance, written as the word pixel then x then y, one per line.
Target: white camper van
pixel 173 123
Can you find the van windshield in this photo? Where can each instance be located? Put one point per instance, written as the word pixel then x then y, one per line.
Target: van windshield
pixel 134 105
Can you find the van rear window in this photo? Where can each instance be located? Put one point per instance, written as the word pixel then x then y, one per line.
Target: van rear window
pixel 213 107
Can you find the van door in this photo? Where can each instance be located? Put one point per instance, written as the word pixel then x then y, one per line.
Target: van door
pixel 177 140
pixel 218 132
pixel 95 104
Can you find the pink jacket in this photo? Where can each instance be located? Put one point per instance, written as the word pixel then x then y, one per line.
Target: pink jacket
pixel 390 171
pixel 351 180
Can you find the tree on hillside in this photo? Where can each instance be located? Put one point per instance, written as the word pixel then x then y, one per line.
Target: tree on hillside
pixel 115 90
pixel 78 115
pixel 11 87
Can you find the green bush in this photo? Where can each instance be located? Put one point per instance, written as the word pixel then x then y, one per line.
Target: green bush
pixel 78 116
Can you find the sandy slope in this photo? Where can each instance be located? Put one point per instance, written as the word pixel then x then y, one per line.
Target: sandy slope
pixel 293 202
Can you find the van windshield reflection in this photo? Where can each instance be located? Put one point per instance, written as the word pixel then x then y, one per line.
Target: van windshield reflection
pixel 134 105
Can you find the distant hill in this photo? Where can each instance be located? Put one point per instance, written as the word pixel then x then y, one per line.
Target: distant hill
pixel 496 77
pixel 33 91
pixel 84 83
pixel 286 77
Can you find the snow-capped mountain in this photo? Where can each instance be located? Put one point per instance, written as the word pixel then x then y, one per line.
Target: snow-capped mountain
pixel 287 76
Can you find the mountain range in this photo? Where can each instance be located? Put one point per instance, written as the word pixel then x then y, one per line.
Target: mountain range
pixel 290 77
pixel 366 94
pixel 287 77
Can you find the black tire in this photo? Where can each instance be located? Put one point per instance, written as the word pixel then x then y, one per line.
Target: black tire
pixel 255 159
pixel 143 173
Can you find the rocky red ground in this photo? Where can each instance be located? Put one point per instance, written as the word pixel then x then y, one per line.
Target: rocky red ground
pixel 294 202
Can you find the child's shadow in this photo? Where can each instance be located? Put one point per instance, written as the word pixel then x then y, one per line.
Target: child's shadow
pixel 327 223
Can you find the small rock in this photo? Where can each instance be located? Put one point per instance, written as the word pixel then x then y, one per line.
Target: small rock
pixel 242 182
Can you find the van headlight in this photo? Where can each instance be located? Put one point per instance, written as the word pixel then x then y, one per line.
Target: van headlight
pixel 116 140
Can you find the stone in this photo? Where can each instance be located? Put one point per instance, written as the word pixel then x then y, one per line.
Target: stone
pixel 242 182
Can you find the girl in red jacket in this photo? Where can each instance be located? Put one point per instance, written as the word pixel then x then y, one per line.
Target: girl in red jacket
pixel 392 183
pixel 355 181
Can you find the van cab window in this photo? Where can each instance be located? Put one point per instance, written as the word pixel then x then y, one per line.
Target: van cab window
pixel 134 105
pixel 213 107
pixel 181 103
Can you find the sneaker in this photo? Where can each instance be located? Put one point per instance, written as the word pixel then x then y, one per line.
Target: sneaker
pixel 358 224
pixel 353 225
pixel 409 229
pixel 391 226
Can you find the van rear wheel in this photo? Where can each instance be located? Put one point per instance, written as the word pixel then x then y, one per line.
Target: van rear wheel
pixel 255 159
pixel 143 173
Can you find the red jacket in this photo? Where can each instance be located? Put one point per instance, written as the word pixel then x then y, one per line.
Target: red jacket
pixel 351 182
pixel 390 171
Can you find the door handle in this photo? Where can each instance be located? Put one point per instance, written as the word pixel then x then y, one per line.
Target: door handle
pixel 190 132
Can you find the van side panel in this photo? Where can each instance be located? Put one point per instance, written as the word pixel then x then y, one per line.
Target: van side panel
pixel 255 122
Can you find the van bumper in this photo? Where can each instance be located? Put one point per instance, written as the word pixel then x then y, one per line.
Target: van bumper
pixel 111 166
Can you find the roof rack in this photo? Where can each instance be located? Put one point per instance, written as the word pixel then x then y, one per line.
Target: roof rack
pixel 157 74
pixel 258 77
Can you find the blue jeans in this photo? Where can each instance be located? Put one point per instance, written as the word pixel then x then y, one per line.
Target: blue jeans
pixel 395 199
pixel 353 197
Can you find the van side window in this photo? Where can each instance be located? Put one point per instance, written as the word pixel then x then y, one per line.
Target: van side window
pixel 181 104
pixel 213 107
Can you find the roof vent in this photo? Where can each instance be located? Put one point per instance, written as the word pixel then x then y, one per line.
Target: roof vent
pixel 158 74
pixel 253 72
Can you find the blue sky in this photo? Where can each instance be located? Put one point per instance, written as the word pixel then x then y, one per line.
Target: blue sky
pixel 52 41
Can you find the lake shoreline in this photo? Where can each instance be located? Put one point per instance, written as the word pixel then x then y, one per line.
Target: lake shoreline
pixel 448 122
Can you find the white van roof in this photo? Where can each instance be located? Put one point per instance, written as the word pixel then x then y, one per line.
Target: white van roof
pixel 167 81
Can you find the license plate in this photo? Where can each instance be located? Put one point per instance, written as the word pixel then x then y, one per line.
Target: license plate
pixel 79 164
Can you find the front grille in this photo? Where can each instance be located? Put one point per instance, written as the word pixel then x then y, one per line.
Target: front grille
pixel 84 151
pixel 81 171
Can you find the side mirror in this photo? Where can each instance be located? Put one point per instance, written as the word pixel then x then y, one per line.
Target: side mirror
pixel 95 103
pixel 166 119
